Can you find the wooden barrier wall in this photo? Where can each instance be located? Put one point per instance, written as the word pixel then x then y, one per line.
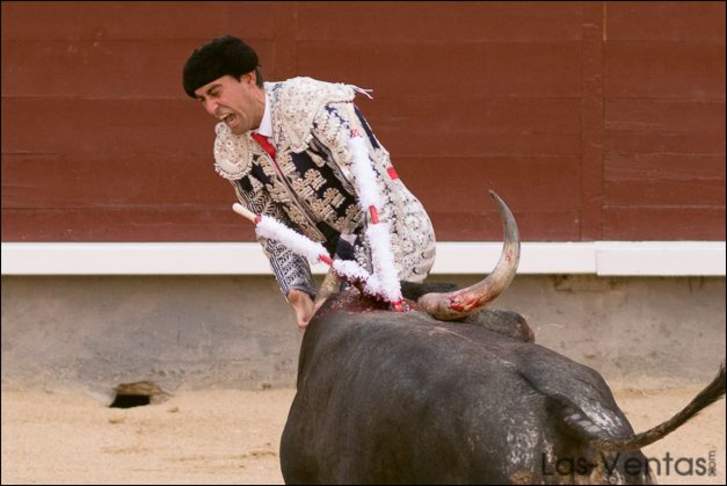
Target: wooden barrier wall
pixel 595 121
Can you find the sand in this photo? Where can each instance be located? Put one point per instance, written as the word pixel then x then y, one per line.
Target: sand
pixel 233 436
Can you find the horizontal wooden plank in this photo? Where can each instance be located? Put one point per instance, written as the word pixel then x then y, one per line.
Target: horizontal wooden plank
pixel 53 181
pixel 184 224
pixel 153 224
pixel 423 126
pixel 56 181
pixel 662 191
pixel 134 20
pixel 662 125
pixel 664 179
pixel 99 129
pixel 664 115
pixel 124 224
pixel 665 223
pixel 101 69
pixel 650 69
pixel 491 69
pixel 487 226
pixel 417 140
pixel 474 125
pixel 40 20
pixel 458 111
pixel 461 184
pixel 645 142
pixel 162 20
pixel 676 167
pixel 687 22
pixel 463 21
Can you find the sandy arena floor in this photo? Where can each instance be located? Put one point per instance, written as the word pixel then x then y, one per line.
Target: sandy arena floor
pixel 232 436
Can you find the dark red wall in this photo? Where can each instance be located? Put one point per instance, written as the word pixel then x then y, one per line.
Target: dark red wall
pixel 595 121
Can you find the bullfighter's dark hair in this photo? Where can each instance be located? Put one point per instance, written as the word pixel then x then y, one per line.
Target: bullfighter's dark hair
pixel 219 57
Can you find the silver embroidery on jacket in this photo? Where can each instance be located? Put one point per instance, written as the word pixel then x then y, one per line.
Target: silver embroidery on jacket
pixel 316 117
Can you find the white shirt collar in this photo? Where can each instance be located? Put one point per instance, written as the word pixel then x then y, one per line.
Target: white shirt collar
pixel 266 125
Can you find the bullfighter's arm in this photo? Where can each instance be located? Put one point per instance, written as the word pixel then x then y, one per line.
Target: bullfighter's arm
pixel 333 126
pixel 291 271
pixel 332 130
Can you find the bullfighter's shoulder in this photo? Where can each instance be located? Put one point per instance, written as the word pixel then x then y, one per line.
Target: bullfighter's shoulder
pixel 297 101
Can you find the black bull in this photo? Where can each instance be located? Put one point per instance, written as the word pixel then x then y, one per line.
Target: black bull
pixel 388 397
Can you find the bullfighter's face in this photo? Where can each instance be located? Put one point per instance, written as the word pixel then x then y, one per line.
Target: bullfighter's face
pixel 238 103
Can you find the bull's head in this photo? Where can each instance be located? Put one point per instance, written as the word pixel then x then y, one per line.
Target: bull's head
pixel 463 302
pixel 457 304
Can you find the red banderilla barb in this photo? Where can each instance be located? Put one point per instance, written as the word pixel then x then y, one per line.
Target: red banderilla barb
pixel 374 214
pixel 400 306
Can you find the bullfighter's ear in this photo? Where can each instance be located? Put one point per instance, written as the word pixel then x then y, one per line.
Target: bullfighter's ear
pixel 249 78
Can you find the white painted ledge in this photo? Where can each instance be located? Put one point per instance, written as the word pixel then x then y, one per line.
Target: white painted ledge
pixel 612 258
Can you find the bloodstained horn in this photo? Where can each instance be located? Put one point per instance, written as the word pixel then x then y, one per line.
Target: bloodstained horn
pixel 463 302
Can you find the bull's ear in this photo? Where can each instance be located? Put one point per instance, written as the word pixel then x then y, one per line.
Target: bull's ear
pixel 413 290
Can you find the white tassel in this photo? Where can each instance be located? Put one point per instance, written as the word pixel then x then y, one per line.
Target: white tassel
pixel 383 284
pixel 273 229
pixel 384 280
pixel 364 91
pixel 383 261
pixel 351 270
pixel 363 173
pixel 373 287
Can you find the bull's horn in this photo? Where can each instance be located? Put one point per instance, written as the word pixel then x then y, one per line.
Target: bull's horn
pixel 463 302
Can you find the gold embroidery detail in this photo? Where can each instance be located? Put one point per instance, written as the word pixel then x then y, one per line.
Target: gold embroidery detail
pixel 314 179
pixel 333 197
pixel 278 193
pixel 296 104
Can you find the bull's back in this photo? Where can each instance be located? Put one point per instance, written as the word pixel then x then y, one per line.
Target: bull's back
pixel 405 401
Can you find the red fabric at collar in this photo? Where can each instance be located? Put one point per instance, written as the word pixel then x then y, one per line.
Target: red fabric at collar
pixel 264 142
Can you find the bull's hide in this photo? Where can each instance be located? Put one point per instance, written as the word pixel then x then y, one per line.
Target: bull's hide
pixel 403 398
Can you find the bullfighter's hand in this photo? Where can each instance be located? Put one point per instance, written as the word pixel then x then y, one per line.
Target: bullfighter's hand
pixel 303 306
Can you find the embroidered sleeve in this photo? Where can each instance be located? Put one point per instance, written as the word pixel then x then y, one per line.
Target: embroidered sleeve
pixel 332 127
pixel 290 270
pixel 411 232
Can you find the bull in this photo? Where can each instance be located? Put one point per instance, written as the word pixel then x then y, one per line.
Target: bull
pixel 453 393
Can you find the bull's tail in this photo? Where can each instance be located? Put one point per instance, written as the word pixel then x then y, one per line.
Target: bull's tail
pixel 710 394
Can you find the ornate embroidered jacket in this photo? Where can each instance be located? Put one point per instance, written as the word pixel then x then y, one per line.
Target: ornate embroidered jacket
pixel 309 186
